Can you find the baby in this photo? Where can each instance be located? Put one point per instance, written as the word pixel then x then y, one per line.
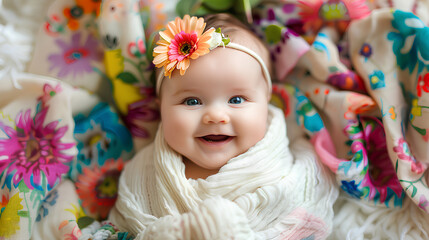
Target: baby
pixel 219 108
pixel 220 163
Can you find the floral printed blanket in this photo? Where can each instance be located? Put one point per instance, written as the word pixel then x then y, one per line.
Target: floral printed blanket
pixel 353 75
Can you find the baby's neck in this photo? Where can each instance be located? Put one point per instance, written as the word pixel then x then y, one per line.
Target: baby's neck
pixel 194 171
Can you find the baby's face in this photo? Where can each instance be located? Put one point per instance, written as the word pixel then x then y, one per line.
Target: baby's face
pixel 217 110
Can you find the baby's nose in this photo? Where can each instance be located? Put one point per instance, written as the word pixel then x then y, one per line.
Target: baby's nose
pixel 215 115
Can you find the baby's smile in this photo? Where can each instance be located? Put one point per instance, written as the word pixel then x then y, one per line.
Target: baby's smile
pixel 215 138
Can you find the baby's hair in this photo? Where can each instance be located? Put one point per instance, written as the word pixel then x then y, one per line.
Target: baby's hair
pixel 239 33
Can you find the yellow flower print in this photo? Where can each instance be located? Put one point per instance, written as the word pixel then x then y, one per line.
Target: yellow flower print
pixel 76 211
pixel 9 218
pixel 416 110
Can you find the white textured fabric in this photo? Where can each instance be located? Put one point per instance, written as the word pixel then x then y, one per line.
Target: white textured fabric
pixel 356 220
pixel 19 21
pixel 271 191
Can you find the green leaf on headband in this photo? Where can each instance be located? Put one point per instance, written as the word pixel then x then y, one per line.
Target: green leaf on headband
pixel 226 41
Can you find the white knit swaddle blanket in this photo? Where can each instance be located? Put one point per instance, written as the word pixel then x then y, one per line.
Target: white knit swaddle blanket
pixel 271 191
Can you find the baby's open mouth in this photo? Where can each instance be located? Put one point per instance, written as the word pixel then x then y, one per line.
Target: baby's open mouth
pixel 216 138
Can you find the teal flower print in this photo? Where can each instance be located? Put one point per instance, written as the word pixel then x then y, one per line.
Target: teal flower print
pixel 410 43
pixel 376 80
pixel 100 136
pixel 306 115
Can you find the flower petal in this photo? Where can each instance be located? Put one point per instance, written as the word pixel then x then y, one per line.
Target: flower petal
pixel 166 36
pixel 160 60
pixel 187 23
pixel 200 25
pixel 160 49
pixel 179 24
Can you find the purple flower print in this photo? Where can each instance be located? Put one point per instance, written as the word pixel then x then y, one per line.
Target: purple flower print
pixel 33 149
pixel 142 111
pixel 75 58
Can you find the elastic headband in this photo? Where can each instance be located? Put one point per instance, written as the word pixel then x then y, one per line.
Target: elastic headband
pixel 184 40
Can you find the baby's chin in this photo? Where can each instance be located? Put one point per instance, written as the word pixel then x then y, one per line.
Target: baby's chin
pixel 216 161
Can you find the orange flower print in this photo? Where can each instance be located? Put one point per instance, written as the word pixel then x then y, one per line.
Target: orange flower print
pixel 72 15
pixel 98 187
pixel 89 6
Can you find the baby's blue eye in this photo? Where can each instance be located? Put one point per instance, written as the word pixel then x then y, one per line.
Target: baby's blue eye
pixel 192 102
pixel 236 100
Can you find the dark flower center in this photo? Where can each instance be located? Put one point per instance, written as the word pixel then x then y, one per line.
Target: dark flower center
pixel 76 12
pixel 107 187
pixel 32 150
pixel 74 55
pixel 185 48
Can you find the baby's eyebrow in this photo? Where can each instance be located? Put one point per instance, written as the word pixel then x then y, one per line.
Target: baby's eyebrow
pixel 239 89
pixel 184 90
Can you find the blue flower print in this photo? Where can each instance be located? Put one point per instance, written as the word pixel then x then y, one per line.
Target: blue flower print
pixel 376 80
pixel 351 188
pixel 100 136
pixel 320 46
pixel 46 203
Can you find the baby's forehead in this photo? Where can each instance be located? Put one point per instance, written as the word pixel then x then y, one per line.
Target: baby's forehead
pixel 223 68
pixel 252 42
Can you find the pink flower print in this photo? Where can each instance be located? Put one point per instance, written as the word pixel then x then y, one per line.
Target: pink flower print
pixel 404 153
pixel 137 48
pixel 34 151
pixel 417 167
pixel 74 235
pixel 303 225
pixel 49 92
pixel 423 84
pixel 423 202
pixel 53 26
pixel 75 58
pixel 403 150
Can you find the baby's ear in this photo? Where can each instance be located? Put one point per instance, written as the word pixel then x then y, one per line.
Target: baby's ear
pixel 158 101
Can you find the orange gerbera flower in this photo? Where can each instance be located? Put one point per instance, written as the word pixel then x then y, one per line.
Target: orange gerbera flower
pixel 181 41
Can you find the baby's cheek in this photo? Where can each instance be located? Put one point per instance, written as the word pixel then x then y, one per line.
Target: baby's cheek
pixel 177 126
